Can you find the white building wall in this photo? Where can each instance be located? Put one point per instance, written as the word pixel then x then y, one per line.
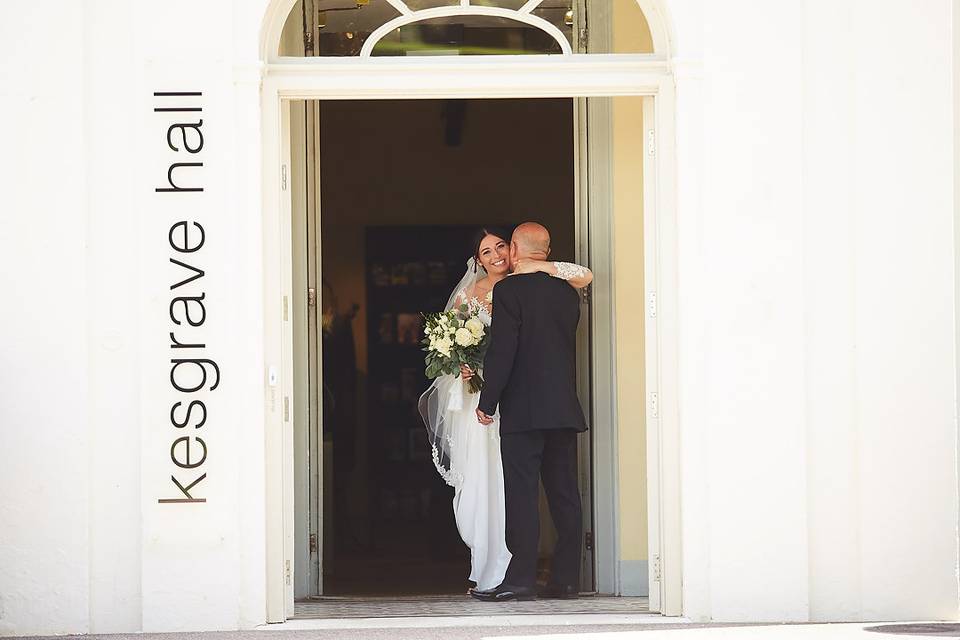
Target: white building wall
pixel 113 318
pixel 816 265
pixel 816 268
pixel 45 453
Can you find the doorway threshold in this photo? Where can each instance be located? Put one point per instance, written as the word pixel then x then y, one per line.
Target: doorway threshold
pixel 463 606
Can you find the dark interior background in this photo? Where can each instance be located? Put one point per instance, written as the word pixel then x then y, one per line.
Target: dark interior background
pixel 403 186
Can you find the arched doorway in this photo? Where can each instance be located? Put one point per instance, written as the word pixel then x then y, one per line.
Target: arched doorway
pixel 515 64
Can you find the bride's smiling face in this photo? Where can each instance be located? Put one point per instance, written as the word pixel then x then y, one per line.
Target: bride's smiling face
pixel 494 255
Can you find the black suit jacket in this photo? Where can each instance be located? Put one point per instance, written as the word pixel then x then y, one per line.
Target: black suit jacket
pixel 530 368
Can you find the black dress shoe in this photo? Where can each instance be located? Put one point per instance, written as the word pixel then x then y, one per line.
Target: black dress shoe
pixel 559 592
pixel 503 593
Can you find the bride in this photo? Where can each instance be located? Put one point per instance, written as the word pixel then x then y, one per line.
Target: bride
pixel 466 453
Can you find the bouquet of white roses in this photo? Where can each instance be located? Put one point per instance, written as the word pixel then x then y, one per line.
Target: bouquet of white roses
pixel 453 338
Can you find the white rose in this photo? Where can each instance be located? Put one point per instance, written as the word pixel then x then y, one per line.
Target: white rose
pixel 464 337
pixel 476 328
pixel 443 347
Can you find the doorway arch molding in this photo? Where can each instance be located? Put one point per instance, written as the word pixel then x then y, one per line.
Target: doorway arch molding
pixel 494 76
pixel 276 11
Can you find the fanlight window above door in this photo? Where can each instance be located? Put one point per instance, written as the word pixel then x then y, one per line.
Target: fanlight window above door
pixel 432 27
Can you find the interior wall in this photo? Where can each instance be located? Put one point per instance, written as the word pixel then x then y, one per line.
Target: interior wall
pixel 54 498
pixel 629 32
pixel 627 156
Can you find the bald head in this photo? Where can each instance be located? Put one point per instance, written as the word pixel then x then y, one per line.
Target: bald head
pixel 530 240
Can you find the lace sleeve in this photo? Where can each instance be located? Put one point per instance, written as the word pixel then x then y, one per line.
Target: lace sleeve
pixel 569 271
pixel 575 275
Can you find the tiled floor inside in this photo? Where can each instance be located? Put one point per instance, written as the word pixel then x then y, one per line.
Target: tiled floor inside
pixel 444 606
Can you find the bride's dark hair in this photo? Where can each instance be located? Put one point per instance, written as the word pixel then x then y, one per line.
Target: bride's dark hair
pixel 500 232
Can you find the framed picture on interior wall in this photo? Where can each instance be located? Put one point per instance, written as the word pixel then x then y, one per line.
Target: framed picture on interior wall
pixel 379 275
pixel 387 329
pixel 408 328
pixel 417 273
pixel 436 273
pixel 418 448
pixel 398 275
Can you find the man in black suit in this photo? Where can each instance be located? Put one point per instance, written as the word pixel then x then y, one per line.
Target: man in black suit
pixel 530 371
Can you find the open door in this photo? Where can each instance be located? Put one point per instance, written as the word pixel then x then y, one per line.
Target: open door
pixel 307 298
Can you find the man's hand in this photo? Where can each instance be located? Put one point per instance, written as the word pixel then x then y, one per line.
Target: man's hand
pixel 483 418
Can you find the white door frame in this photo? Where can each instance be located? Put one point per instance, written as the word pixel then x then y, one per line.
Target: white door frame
pixel 587 75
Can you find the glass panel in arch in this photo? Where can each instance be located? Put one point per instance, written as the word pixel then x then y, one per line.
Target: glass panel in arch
pixel 617 26
pixel 467 35
pixel 503 4
pixel 559 13
pixel 417 5
pixel 343 26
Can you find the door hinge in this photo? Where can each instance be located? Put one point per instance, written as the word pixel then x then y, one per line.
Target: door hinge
pixel 654 404
pixel 652 304
pixel 286 408
pixel 582 40
pixel 311 296
pixel 308 43
pixel 656 568
pixel 588 540
pixel 286 312
pixel 286 571
pixel 651 143
pixel 283 177
pixel 586 294
pixel 313 543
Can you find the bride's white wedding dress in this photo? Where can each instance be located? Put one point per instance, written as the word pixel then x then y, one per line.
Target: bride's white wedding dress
pixel 468 459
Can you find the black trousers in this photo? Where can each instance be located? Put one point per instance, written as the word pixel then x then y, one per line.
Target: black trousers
pixel 550 455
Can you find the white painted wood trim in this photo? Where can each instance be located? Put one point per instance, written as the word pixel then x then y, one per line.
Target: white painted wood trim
pixel 480 77
pixel 275 126
pixel 652 351
pixel 467 77
pixel 668 343
pixel 464 10
pixel 286 375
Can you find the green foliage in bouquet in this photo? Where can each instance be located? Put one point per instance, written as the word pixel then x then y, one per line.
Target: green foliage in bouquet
pixel 453 338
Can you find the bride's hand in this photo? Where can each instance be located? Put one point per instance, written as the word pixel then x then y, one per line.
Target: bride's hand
pixel 525 265
pixel 466 372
